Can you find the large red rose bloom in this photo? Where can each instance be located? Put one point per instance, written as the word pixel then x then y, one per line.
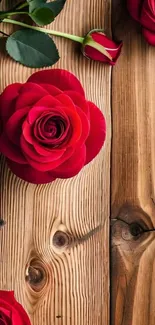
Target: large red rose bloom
pixel 11 312
pixel 49 129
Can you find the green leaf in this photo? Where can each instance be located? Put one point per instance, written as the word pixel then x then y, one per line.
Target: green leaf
pixel 32 48
pixel 35 4
pixel 56 6
pixel 3 14
pixel 42 16
pixel 39 1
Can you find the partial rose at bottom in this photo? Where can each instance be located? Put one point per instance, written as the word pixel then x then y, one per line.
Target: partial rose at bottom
pixel 11 312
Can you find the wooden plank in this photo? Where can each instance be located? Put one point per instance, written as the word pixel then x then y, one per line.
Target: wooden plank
pixel 66 284
pixel 133 171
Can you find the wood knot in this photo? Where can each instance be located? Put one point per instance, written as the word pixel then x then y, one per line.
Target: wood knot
pixel 36 275
pixel 130 228
pixel 135 229
pixel 61 239
pixel 2 223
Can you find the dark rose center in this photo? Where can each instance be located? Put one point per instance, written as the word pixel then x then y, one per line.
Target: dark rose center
pixel 4 320
pixel 52 130
pixel 54 127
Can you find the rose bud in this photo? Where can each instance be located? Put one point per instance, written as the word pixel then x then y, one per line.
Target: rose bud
pixel 144 12
pixel 97 46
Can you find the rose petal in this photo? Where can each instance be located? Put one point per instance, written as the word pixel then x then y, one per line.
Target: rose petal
pixel 46 151
pixel 149 36
pixel 60 78
pixel 134 7
pixel 30 93
pixel 65 100
pixel 97 133
pixel 94 54
pixel 52 90
pixel 6 313
pixel 4 304
pixel 28 150
pixel 76 126
pixel 14 313
pixel 19 315
pixel 42 166
pixel 29 174
pixel 37 112
pixel 73 165
pixel 101 38
pixel 7 101
pixel 147 18
pixel 78 100
pixel 10 150
pixel 13 127
pixel 85 127
pixel 70 114
pixel 60 123
pixel 48 166
pixel 7 295
pixel 46 104
pixel 27 132
pixel 48 101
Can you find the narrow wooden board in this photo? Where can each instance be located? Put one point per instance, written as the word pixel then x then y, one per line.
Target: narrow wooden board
pixel 69 283
pixel 133 172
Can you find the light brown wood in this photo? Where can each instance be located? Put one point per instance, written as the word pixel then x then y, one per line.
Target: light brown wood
pixel 57 282
pixel 133 172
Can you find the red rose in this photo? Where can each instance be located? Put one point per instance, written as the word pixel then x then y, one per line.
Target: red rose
pixel 97 46
pixel 11 312
pixel 49 129
pixel 144 12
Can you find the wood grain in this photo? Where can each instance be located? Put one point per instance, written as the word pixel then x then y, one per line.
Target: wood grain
pixel 57 282
pixel 133 172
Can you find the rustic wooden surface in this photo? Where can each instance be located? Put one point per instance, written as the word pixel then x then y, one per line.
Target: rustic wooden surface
pixel 57 282
pixel 133 176
pixel 60 273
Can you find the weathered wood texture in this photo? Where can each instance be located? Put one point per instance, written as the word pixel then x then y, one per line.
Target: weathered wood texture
pixel 72 284
pixel 133 172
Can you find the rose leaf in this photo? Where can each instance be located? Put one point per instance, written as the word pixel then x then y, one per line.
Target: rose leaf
pixel 35 4
pixel 42 16
pixel 32 48
pixel 56 6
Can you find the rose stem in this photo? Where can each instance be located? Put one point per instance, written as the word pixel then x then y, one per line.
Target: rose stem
pixel 44 30
pixel 23 5
pixel 13 13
